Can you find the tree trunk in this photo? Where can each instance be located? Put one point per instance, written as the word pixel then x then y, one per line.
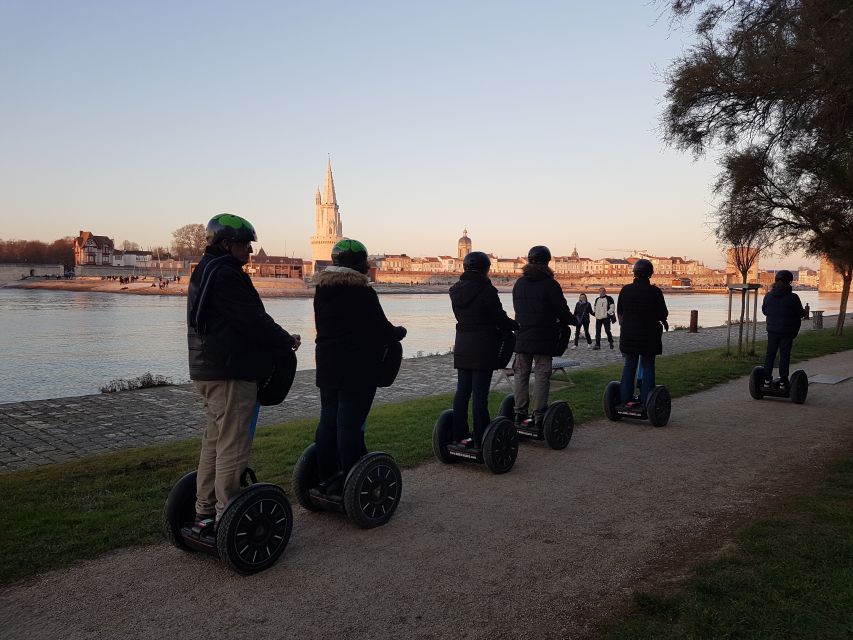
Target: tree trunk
pixel 847 275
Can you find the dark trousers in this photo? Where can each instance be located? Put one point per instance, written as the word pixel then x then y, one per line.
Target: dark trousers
pixel 585 327
pixel 781 342
pixel 629 372
pixel 606 324
pixel 340 433
pixel 470 381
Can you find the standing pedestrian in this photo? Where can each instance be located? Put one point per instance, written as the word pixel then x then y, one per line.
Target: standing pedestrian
pixel 583 311
pixel 605 313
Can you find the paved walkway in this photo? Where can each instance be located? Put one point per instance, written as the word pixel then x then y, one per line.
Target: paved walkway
pixel 47 431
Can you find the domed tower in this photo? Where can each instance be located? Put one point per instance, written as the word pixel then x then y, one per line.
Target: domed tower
pixel 464 245
pixel 575 255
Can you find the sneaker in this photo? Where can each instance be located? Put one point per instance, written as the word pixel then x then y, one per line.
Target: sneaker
pixel 611 345
pixel 596 348
pixel 520 418
pixel 334 485
pixel 574 346
pixel 589 345
pixel 468 443
pixel 201 517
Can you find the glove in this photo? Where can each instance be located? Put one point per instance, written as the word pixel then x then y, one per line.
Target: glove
pixel 401 332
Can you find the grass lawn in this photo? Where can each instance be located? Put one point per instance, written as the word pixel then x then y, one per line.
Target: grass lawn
pixel 56 514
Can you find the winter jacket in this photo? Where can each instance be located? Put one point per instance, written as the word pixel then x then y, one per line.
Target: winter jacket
pixel 480 321
pixel 604 308
pixel 583 311
pixel 352 330
pixel 540 310
pixel 783 309
pixel 229 334
pixel 641 310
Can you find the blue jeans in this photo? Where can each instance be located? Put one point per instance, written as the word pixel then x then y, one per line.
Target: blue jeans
pixel 340 433
pixel 781 342
pixel 468 381
pixel 629 371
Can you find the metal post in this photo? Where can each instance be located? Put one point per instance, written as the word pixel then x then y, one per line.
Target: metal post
pixel 754 319
pixel 729 338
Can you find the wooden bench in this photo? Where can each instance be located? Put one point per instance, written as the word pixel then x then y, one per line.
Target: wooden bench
pixel 557 364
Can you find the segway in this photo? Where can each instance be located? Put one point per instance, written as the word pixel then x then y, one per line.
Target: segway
pixel 797 390
pixel 371 490
pixel 556 428
pixel 498 451
pixel 656 410
pixel 255 527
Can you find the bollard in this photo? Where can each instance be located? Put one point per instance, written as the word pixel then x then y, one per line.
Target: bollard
pixel 694 321
pixel 817 319
pixel 806 311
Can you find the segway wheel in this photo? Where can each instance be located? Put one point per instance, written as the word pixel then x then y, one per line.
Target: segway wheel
pixel 507 409
pixel 799 386
pixel 558 425
pixel 306 476
pixel 179 510
pixel 659 406
pixel 442 435
pixel 612 396
pixel 756 383
pixel 500 445
pixel 255 528
pixel 372 490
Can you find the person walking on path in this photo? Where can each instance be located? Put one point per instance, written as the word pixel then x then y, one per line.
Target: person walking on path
pixel 605 313
pixel 784 312
pixel 481 323
pixel 545 325
pixel 352 336
pixel 583 310
pixel 231 343
pixel 643 315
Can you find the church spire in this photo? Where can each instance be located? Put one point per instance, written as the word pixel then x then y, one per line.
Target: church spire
pixel 329 187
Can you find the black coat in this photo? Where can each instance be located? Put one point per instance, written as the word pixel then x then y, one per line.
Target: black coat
pixel 229 334
pixel 352 330
pixel 641 310
pixel 783 309
pixel 540 310
pixel 583 311
pixel 480 321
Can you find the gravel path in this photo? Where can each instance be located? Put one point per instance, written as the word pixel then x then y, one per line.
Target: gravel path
pixel 541 552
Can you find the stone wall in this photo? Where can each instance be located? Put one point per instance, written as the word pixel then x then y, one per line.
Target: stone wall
pixel 11 272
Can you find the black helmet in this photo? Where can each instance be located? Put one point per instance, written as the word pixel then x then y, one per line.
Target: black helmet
pixel 784 276
pixel 226 226
pixel 476 261
pixel 350 253
pixel 643 268
pixel 539 255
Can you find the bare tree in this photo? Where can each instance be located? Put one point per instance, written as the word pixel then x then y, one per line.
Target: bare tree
pixel 127 245
pixel 189 240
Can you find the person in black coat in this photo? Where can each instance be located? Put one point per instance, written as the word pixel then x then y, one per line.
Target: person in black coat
pixel 784 312
pixel 481 323
pixel 642 313
pixel 352 334
pixel 583 311
pixel 545 321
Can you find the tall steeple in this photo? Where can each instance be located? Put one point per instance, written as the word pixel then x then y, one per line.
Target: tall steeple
pixel 327 219
pixel 329 187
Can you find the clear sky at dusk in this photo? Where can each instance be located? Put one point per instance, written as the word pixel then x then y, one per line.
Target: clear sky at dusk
pixel 527 122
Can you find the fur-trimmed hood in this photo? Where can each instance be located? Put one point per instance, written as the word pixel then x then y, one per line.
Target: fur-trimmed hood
pixel 537 271
pixel 340 277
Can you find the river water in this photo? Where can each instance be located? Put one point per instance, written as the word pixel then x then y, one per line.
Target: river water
pixel 66 343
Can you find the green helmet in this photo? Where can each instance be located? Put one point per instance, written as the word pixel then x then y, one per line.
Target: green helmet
pixel 227 226
pixel 350 253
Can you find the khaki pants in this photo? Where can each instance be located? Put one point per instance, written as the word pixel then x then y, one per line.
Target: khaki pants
pixel 521 367
pixel 225 445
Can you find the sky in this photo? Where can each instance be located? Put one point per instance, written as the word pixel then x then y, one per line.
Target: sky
pixel 524 122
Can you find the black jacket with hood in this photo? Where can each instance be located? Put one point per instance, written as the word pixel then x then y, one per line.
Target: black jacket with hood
pixel 480 321
pixel 641 310
pixel 229 334
pixel 540 309
pixel 352 330
pixel 783 309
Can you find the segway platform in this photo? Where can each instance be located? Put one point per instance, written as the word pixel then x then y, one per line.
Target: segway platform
pixel 556 428
pixel 796 391
pixel 656 410
pixel 370 493
pixel 498 452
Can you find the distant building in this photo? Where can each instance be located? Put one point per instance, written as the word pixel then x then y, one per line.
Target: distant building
pixel 93 250
pixel 830 279
pixel 807 277
pixel 138 259
pixel 264 266
pixel 464 245
pixel 329 229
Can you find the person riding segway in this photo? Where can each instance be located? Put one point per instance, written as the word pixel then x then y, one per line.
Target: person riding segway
pixel 642 312
pixel 239 358
pixel 484 342
pixel 357 350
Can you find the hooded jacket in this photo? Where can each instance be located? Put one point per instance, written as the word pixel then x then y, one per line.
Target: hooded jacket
pixel 583 311
pixel 229 334
pixel 480 321
pixel 540 310
pixel 641 310
pixel 783 309
pixel 352 330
